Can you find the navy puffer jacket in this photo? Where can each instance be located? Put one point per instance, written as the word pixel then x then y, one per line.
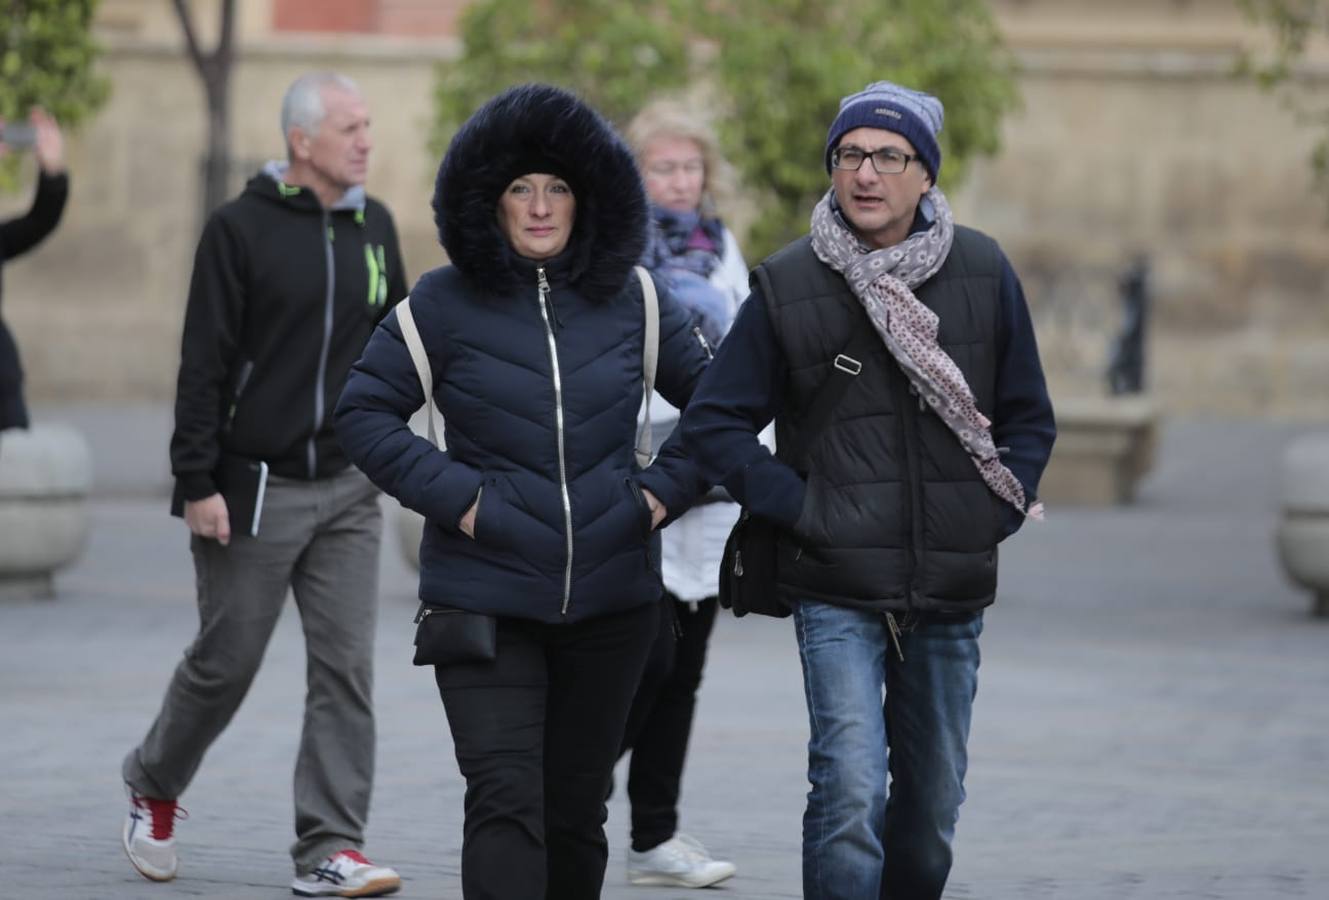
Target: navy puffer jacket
pixel 540 395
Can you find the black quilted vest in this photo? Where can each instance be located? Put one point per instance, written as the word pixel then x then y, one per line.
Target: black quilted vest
pixel 896 515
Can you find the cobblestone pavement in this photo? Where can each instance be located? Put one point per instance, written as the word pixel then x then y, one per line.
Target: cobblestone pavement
pixel 1152 719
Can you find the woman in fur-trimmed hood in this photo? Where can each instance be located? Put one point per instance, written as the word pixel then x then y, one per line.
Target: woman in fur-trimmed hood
pixel 530 128
pixel 536 514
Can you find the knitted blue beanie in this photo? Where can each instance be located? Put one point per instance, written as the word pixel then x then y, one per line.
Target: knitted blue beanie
pixel 915 115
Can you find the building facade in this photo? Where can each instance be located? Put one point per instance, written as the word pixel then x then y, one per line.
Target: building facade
pixel 1134 139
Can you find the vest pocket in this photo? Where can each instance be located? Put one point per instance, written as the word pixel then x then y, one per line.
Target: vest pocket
pixel 793 552
pixel 999 509
pixel 958 582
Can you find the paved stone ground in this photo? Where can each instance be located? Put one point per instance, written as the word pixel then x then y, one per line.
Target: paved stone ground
pixel 1152 719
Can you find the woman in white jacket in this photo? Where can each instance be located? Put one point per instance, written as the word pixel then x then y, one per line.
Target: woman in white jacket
pixel 691 251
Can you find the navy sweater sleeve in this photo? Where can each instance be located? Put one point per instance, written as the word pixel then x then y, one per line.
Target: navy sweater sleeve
pixel 741 392
pixel 1022 420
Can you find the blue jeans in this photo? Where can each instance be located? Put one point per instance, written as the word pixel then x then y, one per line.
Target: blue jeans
pixel 859 842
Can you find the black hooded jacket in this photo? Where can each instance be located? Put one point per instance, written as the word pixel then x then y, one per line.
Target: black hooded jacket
pixel 283 298
pixel 539 388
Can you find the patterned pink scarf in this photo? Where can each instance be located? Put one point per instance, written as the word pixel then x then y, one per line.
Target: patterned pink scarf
pixel 883 281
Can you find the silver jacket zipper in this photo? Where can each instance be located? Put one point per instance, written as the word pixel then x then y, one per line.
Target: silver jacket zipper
pixel 701 339
pixel 558 414
pixel 321 375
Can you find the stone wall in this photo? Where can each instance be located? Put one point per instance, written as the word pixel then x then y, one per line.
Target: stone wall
pixel 97 308
pixel 1133 138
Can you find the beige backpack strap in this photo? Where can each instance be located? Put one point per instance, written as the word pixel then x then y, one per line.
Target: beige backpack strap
pixel 411 334
pixel 650 355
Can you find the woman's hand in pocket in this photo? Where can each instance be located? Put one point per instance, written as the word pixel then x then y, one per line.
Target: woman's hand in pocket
pixel 467 522
pixel 658 511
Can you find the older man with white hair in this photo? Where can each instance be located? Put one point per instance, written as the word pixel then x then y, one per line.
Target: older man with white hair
pixel 289 281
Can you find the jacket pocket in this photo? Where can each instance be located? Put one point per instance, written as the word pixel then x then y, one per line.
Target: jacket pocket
pixel 643 508
pixel 490 514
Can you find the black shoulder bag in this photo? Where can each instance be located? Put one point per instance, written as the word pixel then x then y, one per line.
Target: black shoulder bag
pixel 747 570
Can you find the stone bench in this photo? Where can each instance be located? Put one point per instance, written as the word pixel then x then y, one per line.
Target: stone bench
pixel 1303 529
pixel 45 476
pixel 1105 445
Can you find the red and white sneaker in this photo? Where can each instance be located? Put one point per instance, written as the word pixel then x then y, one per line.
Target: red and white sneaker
pixel 148 836
pixel 347 873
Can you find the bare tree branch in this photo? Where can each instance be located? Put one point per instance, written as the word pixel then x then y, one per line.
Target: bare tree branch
pixel 191 39
pixel 224 44
pixel 214 70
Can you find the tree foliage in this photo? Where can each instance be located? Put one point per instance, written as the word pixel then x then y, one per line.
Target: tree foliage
pixel 1293 24
pixel 785 64
pixel 775 68
pixel 612 54
pixel 47 57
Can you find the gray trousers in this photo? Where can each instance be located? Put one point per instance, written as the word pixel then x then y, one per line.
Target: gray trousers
pixel 321 540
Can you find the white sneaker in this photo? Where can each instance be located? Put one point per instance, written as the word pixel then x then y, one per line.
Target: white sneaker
pixel 148 836
pixel 680 861
pixel 347 873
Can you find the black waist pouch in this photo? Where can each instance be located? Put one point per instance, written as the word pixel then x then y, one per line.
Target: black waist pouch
pixel 747 570
pixel 446 636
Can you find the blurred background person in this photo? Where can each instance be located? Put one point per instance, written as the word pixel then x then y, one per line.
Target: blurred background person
pixel 538 518
pixel 21 234
pixel 692 251
pixel 290 279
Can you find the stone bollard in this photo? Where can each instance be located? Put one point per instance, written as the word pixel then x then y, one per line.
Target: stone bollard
pixel 410 528
pixel 45 476
pixel 1303 529
pixel 1105 445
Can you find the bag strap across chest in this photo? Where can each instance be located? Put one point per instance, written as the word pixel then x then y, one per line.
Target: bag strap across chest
pixel 650 359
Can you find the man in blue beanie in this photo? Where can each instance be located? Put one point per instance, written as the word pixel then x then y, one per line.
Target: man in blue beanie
pixel 895 352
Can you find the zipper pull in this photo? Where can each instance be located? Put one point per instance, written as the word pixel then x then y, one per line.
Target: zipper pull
pixel 894 628
pixel 546 301
pixel 738 563
pixel 701 339
pixel 420 614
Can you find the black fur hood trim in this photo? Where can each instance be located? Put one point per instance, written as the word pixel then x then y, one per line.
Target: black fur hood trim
pixel 497 144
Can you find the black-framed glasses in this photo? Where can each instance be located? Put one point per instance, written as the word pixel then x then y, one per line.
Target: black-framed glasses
pixel 886 161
